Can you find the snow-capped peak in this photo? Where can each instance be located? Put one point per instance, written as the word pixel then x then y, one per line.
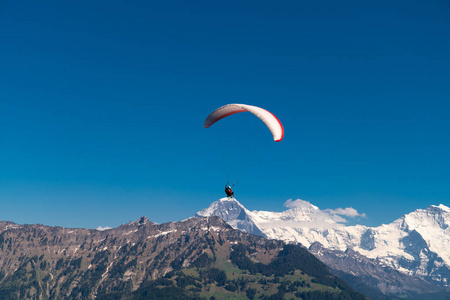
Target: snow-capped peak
pixel 300 204
pixel 232 212
pixel 222 208
pixel 442 207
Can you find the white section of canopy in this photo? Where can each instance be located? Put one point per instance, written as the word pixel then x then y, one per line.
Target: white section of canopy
pixel 266 116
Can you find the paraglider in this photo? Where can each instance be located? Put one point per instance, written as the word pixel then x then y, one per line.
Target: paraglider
pixel 271 121
pixel 229 191
pixel 266 116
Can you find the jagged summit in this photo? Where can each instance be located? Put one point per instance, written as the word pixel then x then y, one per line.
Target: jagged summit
pixel 139 222
pixel 234 213
pixel 226 208
pixel 142 221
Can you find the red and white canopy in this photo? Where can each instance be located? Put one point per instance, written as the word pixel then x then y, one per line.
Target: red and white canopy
pixel 266 116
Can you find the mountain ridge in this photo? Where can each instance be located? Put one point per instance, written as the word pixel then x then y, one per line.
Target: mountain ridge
pixel 192 259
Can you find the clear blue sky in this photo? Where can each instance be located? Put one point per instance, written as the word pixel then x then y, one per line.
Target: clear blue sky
pixel 102 105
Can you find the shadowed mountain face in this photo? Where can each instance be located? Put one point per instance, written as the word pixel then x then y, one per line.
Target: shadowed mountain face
pixel 378 282
pixel 193 259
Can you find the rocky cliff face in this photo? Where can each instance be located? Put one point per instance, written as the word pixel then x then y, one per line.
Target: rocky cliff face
pixel 41 262
pixel 59 262
pixel 371 278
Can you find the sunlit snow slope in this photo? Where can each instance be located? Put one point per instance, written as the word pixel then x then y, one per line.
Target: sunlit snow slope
pixel 417 243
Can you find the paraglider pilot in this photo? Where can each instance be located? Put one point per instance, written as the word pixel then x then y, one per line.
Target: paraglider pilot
pixel 229 191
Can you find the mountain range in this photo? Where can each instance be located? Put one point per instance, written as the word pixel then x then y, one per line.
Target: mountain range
pixel 198 258
pixel 229 252
pixel 416 246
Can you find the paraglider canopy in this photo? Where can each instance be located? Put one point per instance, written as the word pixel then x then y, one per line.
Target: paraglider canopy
pixel 266 116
